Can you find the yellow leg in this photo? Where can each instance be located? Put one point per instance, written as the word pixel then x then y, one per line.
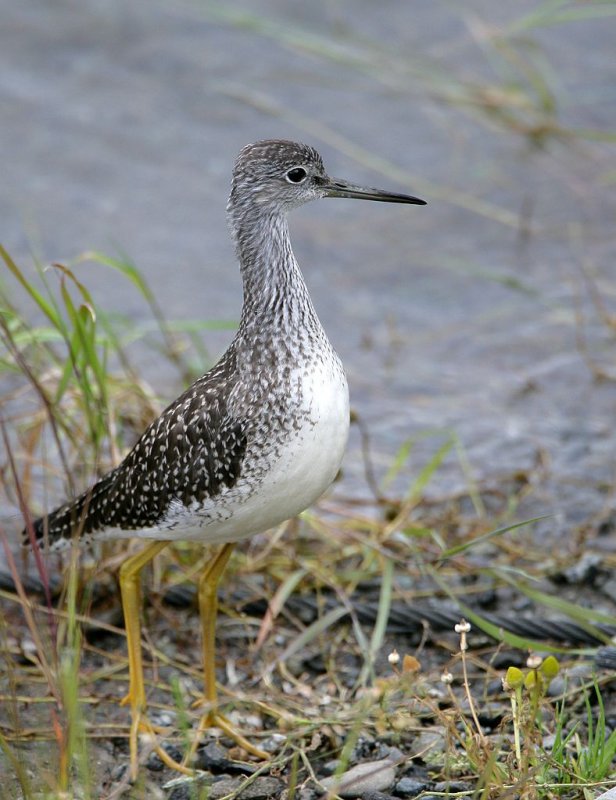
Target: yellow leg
pixel 130 588
pixel 208 609
pixel 208 605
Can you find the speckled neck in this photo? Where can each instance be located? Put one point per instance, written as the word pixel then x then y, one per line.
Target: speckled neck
pixel 275 295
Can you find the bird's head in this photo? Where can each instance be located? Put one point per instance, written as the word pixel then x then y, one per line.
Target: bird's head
pixel 278 175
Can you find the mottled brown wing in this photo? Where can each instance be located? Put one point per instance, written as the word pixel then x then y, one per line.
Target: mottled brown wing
pixel 193 450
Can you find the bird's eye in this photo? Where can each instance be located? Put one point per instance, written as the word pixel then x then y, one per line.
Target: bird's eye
pixel 296 175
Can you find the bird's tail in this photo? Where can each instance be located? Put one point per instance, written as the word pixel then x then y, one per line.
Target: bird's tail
pixel 74 519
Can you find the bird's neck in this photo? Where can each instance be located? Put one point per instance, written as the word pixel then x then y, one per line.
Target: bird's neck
pixel 274 290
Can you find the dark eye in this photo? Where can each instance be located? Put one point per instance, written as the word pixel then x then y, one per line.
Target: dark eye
pixel 296 175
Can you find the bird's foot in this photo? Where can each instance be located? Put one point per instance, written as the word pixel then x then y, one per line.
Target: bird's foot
pixel 150 727
pixel 214 719
pixel 142 727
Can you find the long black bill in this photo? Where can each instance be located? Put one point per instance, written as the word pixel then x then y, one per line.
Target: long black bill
pixel 336 188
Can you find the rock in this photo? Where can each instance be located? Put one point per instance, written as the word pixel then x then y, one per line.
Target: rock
pixel 309 793
pixel 180 595
pixel 377 796
pixel 211 758
pixel 154 763
pixel 273 742
pixel 364 748
pixel 214 758
pixel 118 773
pixel 567 679
pixel 429 745
pixel 450 787
pixel 186 791
pixel 162 718
pixel 508 658
pixel 410 787
pixel 605 657
pixel 609 588
pixel 494 687
pixel 583 572
pixel 363 779
pixel 382 750
pixel 490 715
pixel 262 788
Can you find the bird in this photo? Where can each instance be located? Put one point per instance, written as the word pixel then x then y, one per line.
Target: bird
pixel 253 442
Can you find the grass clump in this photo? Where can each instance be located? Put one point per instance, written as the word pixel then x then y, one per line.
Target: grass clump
pixel 72 402
pixel 63 694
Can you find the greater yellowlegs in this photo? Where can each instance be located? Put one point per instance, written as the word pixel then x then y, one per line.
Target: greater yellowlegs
pixel 254 441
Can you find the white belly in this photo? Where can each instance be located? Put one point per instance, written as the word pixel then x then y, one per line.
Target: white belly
pixel 306 465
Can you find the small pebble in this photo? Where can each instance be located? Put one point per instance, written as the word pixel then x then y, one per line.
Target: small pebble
pixel 605 658
pixel 584 572
pixel 118 772
pixel 370 776
pixel 308 793
pixel 364 748
pixel 609 588
pixel 186 791
pixel 162 718
pixel 262 788
pixel 383 750
pixel 213 755
pixel 154 763
pixel 547 742
pixel 273 742
pixel 573 676
pixel 429 745
pixel 494 687
pixel 508 658
pixel 215 759
pixel 377 796
pixel 490 714
pixel 410 787
pixel 445 787
pixel 180 595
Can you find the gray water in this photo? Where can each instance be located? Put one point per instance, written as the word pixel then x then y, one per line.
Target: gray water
pixel 119 125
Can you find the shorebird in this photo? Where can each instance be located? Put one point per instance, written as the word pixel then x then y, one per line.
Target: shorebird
pixel 253 442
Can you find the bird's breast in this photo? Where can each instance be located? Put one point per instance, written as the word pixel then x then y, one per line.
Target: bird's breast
pixel 297 452
pixel 296 424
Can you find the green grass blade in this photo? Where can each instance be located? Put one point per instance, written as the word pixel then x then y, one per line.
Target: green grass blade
pixel 380 626
pixel 46 307
pixel 428 470
pixel 125 268
pixel 314 630
pixel 581 614
pixel 398 462
pixel 461 548
pixel 494 631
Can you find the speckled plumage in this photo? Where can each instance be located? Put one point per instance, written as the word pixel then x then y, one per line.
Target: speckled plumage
pixel 251 443
pixel 261 435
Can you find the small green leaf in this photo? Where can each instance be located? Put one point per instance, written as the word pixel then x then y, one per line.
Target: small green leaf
pixel 532 679
pixel 550 667
pixel 514 678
